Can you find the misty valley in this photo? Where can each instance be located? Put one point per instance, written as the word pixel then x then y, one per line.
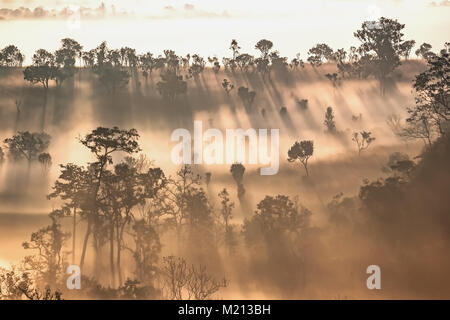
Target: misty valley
pixel 138 175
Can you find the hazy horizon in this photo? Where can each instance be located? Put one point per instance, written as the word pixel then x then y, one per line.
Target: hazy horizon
pixel 206 27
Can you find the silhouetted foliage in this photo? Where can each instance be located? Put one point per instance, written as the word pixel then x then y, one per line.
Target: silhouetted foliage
pixel 276 221
pixel 247 97
pixel 184 282
pixel 424 51
pixel 171 86
pixel 329 120
pixel 363 140
pixel 334 79
pixel 42 70
pixel 227 86
pixel 320 53
pixel 381 47
pixel 50 262
pixel 432 95
pixel 301 151
pixel 10 56
pixel 28 146
pixel 406 48
pixel 237 171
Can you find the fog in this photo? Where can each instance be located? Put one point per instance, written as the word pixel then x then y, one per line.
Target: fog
pixel 335 257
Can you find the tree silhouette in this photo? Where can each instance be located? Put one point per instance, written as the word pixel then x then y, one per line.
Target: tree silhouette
pixel 88 58
pixel 103 142
pixel 122 191
pixel 296 62
pixel 319 53
pixel 399 163
pixel 184 207
pixel 201 285
pixel 72 46
pixel 340 56
pixel 147 64
pixel 214 61
pixel 171 86
pixel 10 56
pixel 301 151
pixel 16 285
pixel 247 97
pixel 50 261
pixel 329 120
pixel 74 186
pixel 422 129
pixel 334 79
pixel 381 46
pixel 226 213
pixel 406 48
pixel 275 219
pixel 227 86
pixel 432 94
pixel 363 140
pixel 237 171
pixel 112 77
pixel 302 104
pixel 263 62
pixel 184 282
pixel 235 48
pixel 424 51
pixel 244 62
pixel 176 274
pixel 65 59
pixel 45 159
pixel 208 176
pixel 109 65
pixel 197 66
pixel 28 146
pixel 264 46
pixel 146 250
pixel 278 63
pixel 42 70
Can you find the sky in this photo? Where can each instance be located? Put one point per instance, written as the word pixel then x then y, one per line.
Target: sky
pixel 206 27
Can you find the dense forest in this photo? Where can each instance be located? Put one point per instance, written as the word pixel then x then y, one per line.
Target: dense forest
pixel 139 230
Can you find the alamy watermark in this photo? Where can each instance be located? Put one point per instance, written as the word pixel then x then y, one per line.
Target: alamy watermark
pixel 210 147
pixel 74 280
pixel 374 281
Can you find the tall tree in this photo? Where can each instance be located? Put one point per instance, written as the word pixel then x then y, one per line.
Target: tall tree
pixel 42 70
pixel 27 145
pixel 433 94
pixel 406 48
pixel 301 151
pixel 103 143
pixel 10 56
pixel 424 51
pixel 381 45
pixel 237 171
pixel 329 122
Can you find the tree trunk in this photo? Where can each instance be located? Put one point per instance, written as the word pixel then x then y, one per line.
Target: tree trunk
pixel 111 256
pixel 74 229
pixel 44 109
pixel 119 250
pixel 305 164
pixel 85 243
